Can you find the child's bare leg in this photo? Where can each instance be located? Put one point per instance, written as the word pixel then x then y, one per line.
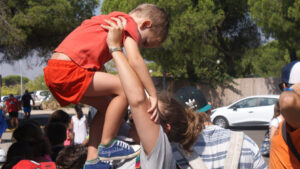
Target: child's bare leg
pixel 105 84
pixel 100 103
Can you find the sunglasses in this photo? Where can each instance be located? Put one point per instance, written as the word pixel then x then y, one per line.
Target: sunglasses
pixel 280 85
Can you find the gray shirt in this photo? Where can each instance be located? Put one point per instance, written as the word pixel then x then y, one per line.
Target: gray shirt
pixel 161 156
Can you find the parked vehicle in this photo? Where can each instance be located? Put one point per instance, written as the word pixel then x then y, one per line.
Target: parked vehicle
pixel 4 98
pixel 38 97
pixel 46 99
pixel 250 111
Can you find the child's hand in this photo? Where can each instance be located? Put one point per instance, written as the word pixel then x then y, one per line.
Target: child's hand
pixel 153 109
pixel 115 31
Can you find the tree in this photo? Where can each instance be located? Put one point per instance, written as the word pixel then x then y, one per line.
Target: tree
pixel 37 84
pixel 207 38
pixel 254 61
pixel 34 25
pixel 281 20
pixel 12 80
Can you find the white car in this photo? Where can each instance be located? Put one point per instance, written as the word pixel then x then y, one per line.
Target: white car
pixel 250 111
pixel 38 97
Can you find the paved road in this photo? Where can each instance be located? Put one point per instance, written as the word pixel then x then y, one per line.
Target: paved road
pixel 257 134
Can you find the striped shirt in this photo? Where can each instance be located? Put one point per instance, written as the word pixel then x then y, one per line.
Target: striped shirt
pixel 212 148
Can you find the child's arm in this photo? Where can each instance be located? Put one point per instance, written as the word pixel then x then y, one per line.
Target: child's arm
pixel 138 64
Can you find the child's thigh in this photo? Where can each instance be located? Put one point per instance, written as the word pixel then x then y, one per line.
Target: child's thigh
pixel 99 102
pixel 104 84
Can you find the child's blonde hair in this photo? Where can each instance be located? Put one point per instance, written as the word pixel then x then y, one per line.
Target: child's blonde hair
pixel 158 16
pixel 185 124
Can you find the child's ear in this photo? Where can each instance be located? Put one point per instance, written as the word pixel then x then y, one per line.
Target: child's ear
pixel 146 24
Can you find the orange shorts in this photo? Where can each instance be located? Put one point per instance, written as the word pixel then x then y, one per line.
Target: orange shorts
pixel 67 81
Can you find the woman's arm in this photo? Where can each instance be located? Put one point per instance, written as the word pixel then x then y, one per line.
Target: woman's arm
pixel 147 130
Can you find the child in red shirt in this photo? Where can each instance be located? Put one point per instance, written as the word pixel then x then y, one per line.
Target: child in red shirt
pixel 73 72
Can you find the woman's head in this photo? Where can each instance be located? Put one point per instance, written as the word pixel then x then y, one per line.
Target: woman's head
pixel 181 124
pixel 71 157
pixel 18 151
pixel 32 134
pixel 60 116
pixel 78 109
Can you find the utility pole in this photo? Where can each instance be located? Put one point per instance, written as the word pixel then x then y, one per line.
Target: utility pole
pixel 21 79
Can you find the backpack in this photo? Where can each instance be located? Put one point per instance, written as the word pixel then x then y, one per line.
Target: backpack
pixel 232 157
pixel 29 164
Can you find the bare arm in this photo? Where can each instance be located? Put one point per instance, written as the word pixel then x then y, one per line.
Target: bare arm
pixel 134 91
pixel 290 105
pixel 138 64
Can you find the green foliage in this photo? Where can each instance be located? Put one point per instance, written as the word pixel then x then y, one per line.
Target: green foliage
pixel 6 90
pixel 27 25
pixel 266 61
pixel 201 32
pixel 37 84
pixel 12 80
pixel 281 20
pixel 155 69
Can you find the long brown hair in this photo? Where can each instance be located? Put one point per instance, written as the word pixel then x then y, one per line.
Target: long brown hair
pixel 185 124
pixel 276 110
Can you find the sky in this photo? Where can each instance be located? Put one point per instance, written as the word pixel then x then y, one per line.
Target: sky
pixel 30 67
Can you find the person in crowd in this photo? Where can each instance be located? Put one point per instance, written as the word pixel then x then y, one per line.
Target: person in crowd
pixel 276 120
pixel 26 104
pixel 63 117
pixel 16 152
pixel 31 133
pixel 3 124
pixel 12 106
pixel 56 133
pixel 73 71
pixel 285 147
pixel 156 152
pixel 80 125
pixel 213 145
pixel 72 157
pixel 274 124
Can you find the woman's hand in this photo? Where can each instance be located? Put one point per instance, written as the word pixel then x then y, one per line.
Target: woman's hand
pixel 115 31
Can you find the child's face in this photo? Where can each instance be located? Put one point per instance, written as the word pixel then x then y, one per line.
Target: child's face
pixel 148 39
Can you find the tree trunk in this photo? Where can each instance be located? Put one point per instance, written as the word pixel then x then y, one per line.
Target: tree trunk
pixel 191 71
pixel 293 55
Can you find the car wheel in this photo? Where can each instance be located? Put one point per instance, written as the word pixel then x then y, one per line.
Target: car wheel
pixel 221 121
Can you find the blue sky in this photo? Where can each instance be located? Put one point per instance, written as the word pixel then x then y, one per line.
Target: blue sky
pixel 30 67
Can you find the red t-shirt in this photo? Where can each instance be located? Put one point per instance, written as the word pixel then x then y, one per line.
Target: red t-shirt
pixel 12 105
pixel 87 46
